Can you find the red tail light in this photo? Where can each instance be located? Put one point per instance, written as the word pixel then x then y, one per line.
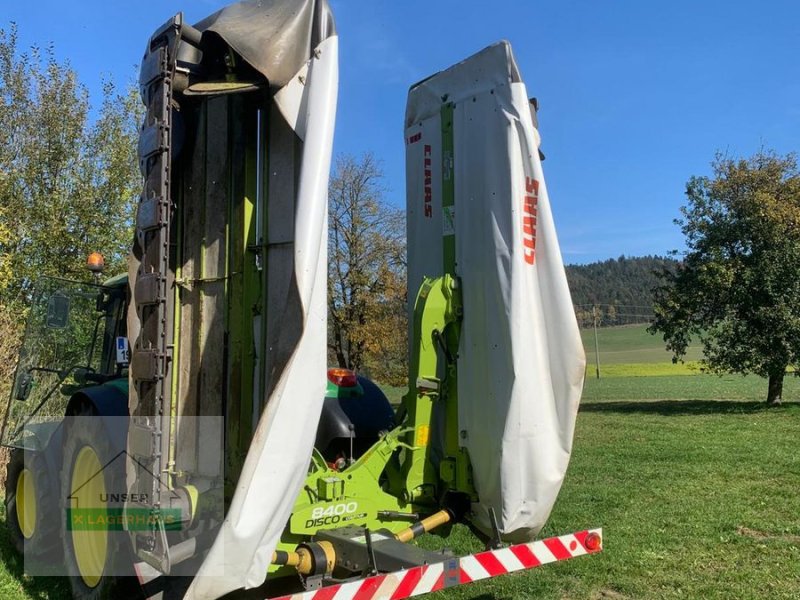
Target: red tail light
pixel 342 377
pixel 593 541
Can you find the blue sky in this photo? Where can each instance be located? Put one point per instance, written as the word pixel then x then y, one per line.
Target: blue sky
pixel 635 96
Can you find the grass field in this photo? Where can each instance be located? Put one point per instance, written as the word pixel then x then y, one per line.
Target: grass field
pixel 629 344
pixel 693 479
pixel 698 499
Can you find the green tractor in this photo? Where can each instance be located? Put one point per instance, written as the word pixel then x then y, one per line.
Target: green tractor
pixel 67 421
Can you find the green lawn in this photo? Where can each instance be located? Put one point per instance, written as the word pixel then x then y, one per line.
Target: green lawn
pixel 629 344
pixel 693 479
pixel 682 387
pixel 14 585
pixel 698 499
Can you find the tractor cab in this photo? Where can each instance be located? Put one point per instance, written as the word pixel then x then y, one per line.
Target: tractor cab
pixel 74 357
pixel 75 338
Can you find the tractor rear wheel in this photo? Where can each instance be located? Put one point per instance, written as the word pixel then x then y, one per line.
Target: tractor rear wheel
pixel 31 505
pixel 96 551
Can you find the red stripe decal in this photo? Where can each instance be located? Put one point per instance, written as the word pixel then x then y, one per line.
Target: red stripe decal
pixel 439 583
pixel 464 577
pixel 489 562
pixel 327 593
pixel 581 537
pixel 525 556
pixel 408 584
pixel 557 548
pixel 368 588
pixel 408 580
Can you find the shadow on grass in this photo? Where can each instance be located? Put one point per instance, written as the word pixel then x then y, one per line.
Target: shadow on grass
pixel 44 588
pixel 683 407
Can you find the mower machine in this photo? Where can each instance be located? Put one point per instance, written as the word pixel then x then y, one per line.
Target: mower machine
pixel 174 432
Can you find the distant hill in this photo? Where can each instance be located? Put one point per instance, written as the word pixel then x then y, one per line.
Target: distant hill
pixel 621 287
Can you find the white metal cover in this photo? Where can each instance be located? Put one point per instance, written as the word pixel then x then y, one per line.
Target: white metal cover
pixel 277 461
pixel 521 362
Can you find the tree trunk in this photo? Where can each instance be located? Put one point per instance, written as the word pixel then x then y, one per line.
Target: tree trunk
pixel 341 358
pixel 775 388
pixel 338 347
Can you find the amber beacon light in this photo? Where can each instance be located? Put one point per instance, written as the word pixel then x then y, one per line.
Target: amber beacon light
pixel 95 263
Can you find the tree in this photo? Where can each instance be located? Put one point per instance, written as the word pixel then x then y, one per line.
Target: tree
pixel 623 281
pixel 738 287
pixel 611 315
pixel 366 266
pixel 68 183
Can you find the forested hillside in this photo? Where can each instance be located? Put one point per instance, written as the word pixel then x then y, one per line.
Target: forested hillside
pixel 621 288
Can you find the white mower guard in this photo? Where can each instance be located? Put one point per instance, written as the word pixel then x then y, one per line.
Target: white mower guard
pixel 277 460
pixel 520 361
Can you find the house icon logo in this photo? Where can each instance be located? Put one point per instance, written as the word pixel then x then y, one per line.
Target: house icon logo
pixel 100 501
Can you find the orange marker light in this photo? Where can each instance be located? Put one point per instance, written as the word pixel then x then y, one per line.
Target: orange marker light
pixel 342 377
pixel 96 263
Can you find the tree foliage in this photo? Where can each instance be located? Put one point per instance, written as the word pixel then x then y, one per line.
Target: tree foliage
pixel 68 181
pixel 68 175
pixel 366 267
pixel 622 288
pixel 738 287
pixel 627 280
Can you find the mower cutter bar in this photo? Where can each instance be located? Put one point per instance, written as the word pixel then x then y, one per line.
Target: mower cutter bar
pixel 459 570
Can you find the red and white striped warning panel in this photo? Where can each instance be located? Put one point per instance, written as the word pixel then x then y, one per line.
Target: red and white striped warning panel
pixel 456 571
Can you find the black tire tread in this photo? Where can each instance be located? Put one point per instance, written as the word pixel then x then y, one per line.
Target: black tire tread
pixel 47 533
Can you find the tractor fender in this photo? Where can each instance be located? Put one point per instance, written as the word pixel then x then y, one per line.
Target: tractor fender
pixel 109 403
pixel 368 414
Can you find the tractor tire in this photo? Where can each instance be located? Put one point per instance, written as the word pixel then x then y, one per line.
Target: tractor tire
pixel 32 507
pixel 99 561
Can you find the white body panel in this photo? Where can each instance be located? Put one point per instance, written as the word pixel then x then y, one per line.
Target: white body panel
pixel 521 362
pixel 278 458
